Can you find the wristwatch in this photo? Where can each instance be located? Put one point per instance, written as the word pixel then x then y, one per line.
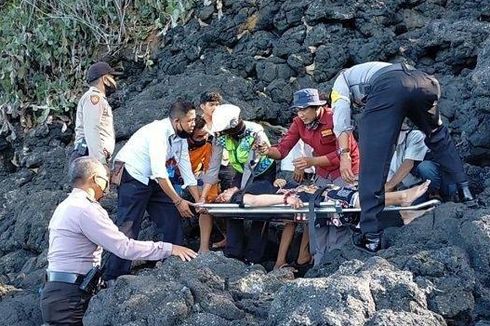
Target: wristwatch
pixel 341 151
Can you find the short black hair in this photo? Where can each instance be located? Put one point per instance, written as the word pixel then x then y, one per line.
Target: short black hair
pixel 325 97
pixel 180 108
pixel 200 122
pixel 211 96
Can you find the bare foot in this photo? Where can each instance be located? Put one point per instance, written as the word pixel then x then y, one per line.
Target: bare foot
pixel 409 216
pixel 303 260
pixel 413 193
pixel 202 250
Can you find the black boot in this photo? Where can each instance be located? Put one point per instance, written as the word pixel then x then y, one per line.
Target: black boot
pixel 369 242
pixel 464 192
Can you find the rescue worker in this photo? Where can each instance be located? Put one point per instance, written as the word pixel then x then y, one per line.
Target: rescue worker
pixel 145 184
pixel 78 231
pixel 387 93
pixel 94 129
pixel 209 102
pixel 314 126
pixel 238 138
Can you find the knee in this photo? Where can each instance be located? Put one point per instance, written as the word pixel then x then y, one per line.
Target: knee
pixel 428 170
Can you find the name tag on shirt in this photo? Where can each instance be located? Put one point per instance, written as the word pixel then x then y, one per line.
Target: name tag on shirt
pixel 326 132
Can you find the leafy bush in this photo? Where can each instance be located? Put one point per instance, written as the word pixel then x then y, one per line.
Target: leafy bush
pixel 47 45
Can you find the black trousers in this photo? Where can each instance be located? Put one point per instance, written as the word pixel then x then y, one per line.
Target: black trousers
pixel 252 246
pixel 134 198
pixel 394 96
pixel 63 303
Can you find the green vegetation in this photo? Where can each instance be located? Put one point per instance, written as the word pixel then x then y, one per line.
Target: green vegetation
pixel 48 44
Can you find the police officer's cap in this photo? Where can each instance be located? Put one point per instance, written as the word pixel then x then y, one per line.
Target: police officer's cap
pixel 100 69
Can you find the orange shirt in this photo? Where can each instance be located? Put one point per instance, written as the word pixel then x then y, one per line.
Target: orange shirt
pixel 200 158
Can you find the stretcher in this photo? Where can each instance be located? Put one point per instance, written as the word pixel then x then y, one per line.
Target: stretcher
pixel 281 212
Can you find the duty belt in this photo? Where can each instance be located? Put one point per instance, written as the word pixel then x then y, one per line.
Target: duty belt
pixel 365 88
pixel 71 278
pixel 393 67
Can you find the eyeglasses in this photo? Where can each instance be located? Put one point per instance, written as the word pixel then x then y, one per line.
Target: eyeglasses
pixel 103 178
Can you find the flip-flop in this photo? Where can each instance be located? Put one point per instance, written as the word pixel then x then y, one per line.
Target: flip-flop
pixel 286 265
pixel 301 269
pixel 216 247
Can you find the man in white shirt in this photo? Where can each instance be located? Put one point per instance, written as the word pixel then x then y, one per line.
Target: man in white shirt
pixel 78 231
pixel 409 165
pixel 145 183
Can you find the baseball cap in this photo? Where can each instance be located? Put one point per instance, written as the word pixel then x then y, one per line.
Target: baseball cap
pixel 100 69
pixel 225 116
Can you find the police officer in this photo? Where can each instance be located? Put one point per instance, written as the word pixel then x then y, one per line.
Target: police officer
pixel 78 231
pixel 387 93
pixel 94 129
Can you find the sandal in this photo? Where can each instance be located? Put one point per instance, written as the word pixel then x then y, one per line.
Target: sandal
pixel 301 269
pixel 217 246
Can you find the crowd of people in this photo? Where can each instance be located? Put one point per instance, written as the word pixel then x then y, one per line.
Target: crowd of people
pixel 207 153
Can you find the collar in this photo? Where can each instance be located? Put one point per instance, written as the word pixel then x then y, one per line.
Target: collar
pixel 325 115
pixel 96 90
pixel 167 124
pixel 78 192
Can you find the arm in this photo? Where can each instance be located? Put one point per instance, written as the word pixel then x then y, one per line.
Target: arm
pixel 99 228
pixel 268 200
pixel 415 151
pixel 342 123
pixel 92 114
pixel 185 168
pixel 210 177
pixel 399 175
pixel 287 142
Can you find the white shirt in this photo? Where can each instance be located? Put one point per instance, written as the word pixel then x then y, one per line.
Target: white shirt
pixel 299 150
pixel 410 146
pixel 147 151
pixel 80 228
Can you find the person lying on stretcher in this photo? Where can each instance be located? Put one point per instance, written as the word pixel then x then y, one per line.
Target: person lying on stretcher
pixel 260 194
pixel 346 197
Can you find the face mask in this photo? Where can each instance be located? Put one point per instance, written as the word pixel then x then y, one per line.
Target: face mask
pixel 110 85
pixel 182 133
pixel 196 144
pixel 313 125
pixel 238 131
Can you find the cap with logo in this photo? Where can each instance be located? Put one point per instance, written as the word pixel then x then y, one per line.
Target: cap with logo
pixel 225 116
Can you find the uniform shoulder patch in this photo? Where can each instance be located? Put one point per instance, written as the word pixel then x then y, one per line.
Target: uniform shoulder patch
pixel 94 99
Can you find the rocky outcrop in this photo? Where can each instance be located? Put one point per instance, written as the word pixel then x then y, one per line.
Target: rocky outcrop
pixel 437 269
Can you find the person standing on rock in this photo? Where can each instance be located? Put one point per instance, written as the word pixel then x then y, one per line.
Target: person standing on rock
pixel 314 126
pixel 239 138
pixel 145 184
pixel 387 93
pixel 78 231
pixel 94 129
